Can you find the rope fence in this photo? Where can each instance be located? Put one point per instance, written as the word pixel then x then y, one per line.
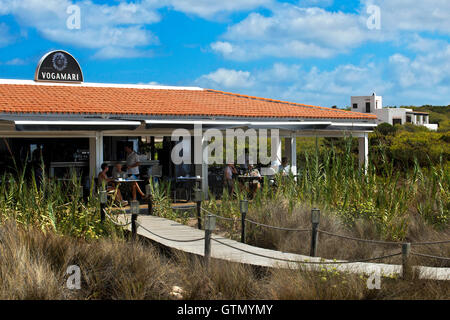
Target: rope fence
pixel 209 218
pixel 307 262
pixel 276 228
pixel 359 239
pixel 429 256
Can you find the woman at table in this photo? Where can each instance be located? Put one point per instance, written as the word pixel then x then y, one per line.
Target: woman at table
pixel 106 183
pixel 133 170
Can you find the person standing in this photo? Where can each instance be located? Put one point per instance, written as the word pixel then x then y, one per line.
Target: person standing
pixel 228 173
pixel 133 169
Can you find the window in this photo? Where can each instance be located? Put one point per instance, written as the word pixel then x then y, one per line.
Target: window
pixel 408 119
pixel 368 107
pixel 355 106
pixel 396 121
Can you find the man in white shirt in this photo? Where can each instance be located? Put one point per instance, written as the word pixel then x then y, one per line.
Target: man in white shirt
pixel 133 169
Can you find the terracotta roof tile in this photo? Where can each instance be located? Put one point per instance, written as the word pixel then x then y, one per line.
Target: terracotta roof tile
pixel 28 98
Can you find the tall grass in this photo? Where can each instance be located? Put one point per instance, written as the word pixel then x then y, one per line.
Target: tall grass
pixel 52 205
pixel 381 203
pixel 34 265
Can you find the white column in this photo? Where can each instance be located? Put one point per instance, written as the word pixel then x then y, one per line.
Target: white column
pixel 293 155
pixel 363 151
pixel 95 154
pixel 205 186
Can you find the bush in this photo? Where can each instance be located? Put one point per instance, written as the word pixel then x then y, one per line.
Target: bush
pixel 385 129
pixel 426 147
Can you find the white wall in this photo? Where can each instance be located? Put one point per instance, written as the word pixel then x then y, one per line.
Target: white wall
pixel 376 103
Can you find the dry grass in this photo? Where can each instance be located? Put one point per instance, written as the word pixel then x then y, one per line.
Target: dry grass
pixel 34 264
pixel 276 213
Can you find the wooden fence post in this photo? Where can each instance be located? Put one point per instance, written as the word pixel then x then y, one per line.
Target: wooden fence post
pixel 103 200
pixel 315 219
pixel 198 200
pixel 406 263
pixel 210 225
pixel 134 214
pixel 243 205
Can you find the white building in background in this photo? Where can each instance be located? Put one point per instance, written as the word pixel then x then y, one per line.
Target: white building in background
pixel 374 104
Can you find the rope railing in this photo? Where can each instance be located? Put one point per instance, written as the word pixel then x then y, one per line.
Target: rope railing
pixel 429 243
pixel 359 239
pixel 429 256
pixel 326 232
pixel 165 238
pixel 276 228
pixel 307 262
pixel 218 216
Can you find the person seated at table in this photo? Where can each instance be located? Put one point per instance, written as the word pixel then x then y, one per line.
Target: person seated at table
pixel 117 170
pixel 228 177
pixel 106 184
pixel 284 168
pixel 133 170
pixel 254 185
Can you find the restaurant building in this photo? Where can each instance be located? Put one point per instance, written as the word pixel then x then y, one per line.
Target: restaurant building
pixel 75 124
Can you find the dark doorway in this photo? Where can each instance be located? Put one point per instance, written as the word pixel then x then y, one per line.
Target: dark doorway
pixel 368 107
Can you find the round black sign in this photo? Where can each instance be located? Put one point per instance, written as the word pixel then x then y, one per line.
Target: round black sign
pixel 58 66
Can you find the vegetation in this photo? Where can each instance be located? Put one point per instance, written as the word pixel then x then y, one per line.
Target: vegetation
pixel 34 266
pixel 404 195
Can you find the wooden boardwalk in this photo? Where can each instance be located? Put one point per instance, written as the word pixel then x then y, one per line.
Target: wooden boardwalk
pixel 164 231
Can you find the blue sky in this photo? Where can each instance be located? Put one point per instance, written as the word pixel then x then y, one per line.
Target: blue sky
pixel 317 52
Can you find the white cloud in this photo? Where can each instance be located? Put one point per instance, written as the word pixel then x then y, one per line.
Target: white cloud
pixel 412 15
pixel 5 37
pixel 292 31
pixel 426 74
pixel 110 28
pixel 292 83
pixel 226 78
pixel 16 62
pixel 118 52
pixel 421 44
pixel 209 9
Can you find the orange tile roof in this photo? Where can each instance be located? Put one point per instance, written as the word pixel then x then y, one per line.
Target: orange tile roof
pixel 79 99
